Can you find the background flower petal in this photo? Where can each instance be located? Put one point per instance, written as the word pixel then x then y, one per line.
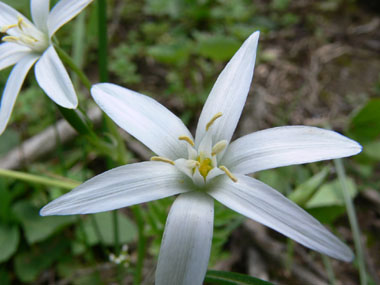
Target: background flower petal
pixel 144 118
pixel 265 205
pixel 53 78
pixel 12 88
pixel 63 12
pixel 229 93
pixel 186 244
pixel 120 187
pixel 11 53
pixel 288 145
pixel 40 12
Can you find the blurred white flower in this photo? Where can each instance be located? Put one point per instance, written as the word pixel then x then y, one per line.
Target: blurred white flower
pixel 207 168
pixel 26 43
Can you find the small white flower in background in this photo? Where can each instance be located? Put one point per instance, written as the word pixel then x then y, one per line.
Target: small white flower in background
pixel 122 258
pixel 205 168
pixel 26 43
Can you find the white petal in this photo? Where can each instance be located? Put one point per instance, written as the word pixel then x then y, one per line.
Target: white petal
pixel 63 12
pixel 52 77
pixel 144 118
pixel 286 146
pixel 40 12
pixel 213 173
pixel 265 205
pixel 198 178
pixel 12 88
pixel 229 93
pixel 183 165
pixel 8 15
pixel 186 244
pixel 11 53
pixel 120 187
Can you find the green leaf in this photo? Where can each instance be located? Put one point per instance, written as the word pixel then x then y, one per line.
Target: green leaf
pixel 4 277
pixel 306 190
pixel 8 140
pixel 216 47
pixel 5 202
pixel 39 228
pixel 29 264
pixel 365 125
pixel 372 149
pixel 330 194
pixel 127 230
pixel 176 53
pixel 77 120
pixel 231 278
pixel 327 214
pixel 9 239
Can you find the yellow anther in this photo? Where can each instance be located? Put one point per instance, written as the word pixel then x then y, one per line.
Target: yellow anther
pixel 213 119
pixel 162 159
pixel 218 147
pixel 4 29
pixel 10 39
pixel 228 173
pixel 186 139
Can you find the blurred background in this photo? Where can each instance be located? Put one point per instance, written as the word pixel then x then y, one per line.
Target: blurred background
pixel 317 64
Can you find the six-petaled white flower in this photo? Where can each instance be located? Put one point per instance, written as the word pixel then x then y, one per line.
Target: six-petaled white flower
pixel 26 42
pixel 206 168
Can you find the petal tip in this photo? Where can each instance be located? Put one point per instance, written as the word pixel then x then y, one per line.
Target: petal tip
pixel 355 146
pixel 347 255
pixel 44 212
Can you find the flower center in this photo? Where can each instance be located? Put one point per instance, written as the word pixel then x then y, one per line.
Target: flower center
pixel 26 34
pixel 205 165
pixel 202 163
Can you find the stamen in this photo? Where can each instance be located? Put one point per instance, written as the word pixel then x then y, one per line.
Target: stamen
pixel 218 147
pixel 4 29
pixel 28 39
pixel 213 119
pixel 186 139
pixel 22 24
pixel 192 163
pixel 162 159
pixel 228 173
pixel 19 22
pixel 10 39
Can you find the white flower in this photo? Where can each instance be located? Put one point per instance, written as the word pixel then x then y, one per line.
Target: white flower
pixel 207 168
pixel 26 43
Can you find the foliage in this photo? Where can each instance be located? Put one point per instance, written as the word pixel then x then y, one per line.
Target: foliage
pixel 172 50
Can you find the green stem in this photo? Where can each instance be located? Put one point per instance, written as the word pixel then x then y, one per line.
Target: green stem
pixel 353 220
pixel 103 76
pixel 79 44
pixel 115 220
pixel 289 255
pixel 98 233
pixel 38 179
pixel 70 63
pixel 329 269
pixel 141 247
pixel 103 41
